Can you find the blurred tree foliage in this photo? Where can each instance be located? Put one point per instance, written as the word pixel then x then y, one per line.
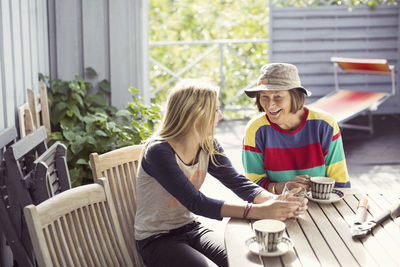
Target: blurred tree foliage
pixel 208 20
pixel 188 20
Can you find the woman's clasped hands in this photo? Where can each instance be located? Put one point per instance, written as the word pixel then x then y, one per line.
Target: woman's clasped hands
pixel 295 192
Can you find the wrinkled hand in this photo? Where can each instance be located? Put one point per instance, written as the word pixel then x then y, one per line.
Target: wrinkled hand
pixel 302 180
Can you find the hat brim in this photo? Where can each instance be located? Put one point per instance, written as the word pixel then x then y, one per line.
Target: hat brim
pixel 252 92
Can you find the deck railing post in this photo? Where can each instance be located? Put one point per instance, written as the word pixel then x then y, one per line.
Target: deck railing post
pixel 221 66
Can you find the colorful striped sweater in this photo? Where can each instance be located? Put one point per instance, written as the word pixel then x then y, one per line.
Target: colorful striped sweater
pixel 315 148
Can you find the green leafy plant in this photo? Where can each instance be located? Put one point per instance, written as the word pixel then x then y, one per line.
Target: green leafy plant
pixel 85 122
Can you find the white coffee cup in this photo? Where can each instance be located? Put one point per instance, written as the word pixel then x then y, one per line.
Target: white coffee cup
pixel 321 187
pixel 268 234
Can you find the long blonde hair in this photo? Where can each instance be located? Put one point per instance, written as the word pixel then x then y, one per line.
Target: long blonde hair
pixel 191 104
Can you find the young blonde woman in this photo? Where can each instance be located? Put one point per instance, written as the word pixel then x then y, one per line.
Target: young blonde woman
pixel 172 170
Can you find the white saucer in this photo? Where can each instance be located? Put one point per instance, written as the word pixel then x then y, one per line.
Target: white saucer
pixel 284 246
pixel 336 195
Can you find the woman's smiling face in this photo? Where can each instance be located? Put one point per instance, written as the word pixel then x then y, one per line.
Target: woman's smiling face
pixel 277 105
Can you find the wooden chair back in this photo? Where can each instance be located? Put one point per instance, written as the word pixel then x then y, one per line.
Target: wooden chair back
pixel 51 174
pixel 40 106
pixel 20 159
pixel 35 112
pixel 27 179
pixel 7 227
pixel 25 119
pixel 119 167
pixel 7 137
pixel 10 219
pixel 82 233
pixel 19 187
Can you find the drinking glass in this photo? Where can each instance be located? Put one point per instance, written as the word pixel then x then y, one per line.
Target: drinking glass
pixel 294 192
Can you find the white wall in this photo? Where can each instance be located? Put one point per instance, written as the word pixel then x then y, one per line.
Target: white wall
pixel 107 35
pixel 24 52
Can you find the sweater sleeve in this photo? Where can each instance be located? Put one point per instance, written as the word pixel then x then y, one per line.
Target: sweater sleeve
pixel 253 156
pixel 335 160
pixel 228 176
pixel 160 163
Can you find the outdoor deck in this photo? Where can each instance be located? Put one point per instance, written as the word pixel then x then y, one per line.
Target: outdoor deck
pixel 372 160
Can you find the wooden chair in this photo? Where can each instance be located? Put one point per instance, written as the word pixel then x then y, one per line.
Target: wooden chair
pixel 40 106
pixel 18 191
pixel 25 119
pixel 82 233
pixel 119 167
pixel 345 104
pixel 35 112
pixel 20 159
pixel 7 138
pixel 51 174
pixel 30 179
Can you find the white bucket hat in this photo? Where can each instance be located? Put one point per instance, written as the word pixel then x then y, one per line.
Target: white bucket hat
pixel 277 77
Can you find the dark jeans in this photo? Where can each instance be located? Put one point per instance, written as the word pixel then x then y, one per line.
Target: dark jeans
pixel 188 245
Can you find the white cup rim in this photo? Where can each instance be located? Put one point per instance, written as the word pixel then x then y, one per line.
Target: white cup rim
pixel 269 226
pixel 322 180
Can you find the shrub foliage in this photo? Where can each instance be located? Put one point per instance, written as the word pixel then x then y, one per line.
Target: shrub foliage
pixel 85 122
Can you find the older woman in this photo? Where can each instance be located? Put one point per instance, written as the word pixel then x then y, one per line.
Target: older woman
pixel 288 141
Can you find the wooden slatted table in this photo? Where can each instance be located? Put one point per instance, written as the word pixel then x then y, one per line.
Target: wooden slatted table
pixel 322 236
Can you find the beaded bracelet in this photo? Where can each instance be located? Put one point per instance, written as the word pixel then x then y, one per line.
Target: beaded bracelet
pixel 248 210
